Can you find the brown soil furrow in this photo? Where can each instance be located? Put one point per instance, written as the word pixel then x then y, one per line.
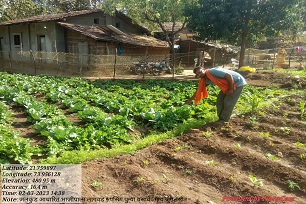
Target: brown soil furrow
pixel 285 133
pixel 169 182
pixel 273 145
pixel 285 122
pixel 218 178
pixel 286 114
pixel 229 184
pixel 248 161
pixel 156 182
pixel 24 127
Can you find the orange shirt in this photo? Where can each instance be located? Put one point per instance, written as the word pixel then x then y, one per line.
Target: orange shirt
pixel 202 90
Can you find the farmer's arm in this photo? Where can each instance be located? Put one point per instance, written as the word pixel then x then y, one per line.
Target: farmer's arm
pixel 230 80
pixel 191 98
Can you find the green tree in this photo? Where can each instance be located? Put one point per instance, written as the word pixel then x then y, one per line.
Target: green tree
pixel 242 21
pixel 64 6
pixel 153 13
pixel 16 9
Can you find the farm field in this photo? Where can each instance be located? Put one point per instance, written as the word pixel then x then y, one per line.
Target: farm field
pixel 155 148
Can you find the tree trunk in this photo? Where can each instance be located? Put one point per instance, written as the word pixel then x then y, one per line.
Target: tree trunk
pixel 242 49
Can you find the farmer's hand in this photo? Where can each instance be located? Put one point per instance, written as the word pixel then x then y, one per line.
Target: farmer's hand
pixel 188 102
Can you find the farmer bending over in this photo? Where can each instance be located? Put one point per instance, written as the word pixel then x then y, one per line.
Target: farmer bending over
pixel 231 84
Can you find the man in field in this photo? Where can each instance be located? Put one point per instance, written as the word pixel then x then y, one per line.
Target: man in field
pixel 231 84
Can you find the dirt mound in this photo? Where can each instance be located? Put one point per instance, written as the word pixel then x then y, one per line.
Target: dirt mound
pixel 252 159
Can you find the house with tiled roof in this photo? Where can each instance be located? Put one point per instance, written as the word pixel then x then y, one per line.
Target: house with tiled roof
pixel 87 33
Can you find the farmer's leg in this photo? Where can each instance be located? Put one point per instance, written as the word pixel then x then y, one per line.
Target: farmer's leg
pixel 229 104
pixel 220 103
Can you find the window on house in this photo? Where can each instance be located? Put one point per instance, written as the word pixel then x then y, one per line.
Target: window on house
pixel 96 21
pixel 1 44
pixel 17 40
pixel 41 43
pixel 118 25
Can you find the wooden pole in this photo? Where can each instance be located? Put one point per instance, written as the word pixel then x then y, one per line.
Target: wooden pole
pixel 115 64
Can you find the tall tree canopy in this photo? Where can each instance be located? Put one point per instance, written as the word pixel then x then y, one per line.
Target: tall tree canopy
pixel 64 6
pixel 237 21
pixel 16 9
pixel 154 13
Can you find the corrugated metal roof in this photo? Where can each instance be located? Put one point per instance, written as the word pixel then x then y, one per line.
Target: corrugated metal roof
pixel 105 34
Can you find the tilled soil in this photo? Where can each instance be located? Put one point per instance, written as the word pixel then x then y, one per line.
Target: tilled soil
pixel 215 163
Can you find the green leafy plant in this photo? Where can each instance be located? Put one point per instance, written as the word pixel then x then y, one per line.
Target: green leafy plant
pixel 286 130
pixel 237 146
pixel 271 157
pixel 212 163
pixel 140 180
pixel 299 144
pixel 96 184
pixel 177 149
pixel 292 185
pixel 146 162
pixel 207 134
pixel 255 181
pixel 187 171
pixel 232 178
pixel 254 102
pixel 264 134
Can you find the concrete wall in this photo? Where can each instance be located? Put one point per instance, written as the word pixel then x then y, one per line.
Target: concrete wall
pixel 87 19
pixel 29 36
pixel 53 34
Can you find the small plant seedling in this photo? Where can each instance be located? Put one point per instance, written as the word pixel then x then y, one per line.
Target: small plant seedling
pixel 253 120
pixel 140 180
pixel 145 162
pixel 187 172
pixel 211 163
pixel 292 185
pixel 264 134
pixel 271 157
pixel 255 101
pixel 154 182
pixel 179 148
pixel 187 146
pixel 271 143
pixel 233 179
pixel 302 156
pixel 207 134
pixel 166 178
pixel 298 144
pixel 256 181
pixel 249 139
pixel 286 130
pixel 237 146
pixel 96 184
